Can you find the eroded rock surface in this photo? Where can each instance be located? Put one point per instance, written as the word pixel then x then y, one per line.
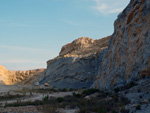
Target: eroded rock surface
pixel 84 46
pixel 128 54
pixel 77 64
pixel 14 77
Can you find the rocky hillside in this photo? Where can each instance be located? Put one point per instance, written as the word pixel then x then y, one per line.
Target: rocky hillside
pixel 128 55
pixel 14 77
pixel 77 64
pixel 84 46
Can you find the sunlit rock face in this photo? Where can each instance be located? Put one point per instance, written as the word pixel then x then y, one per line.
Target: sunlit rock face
pixel 14 77
pixel 84 46
pixel 3 72
pixel 77 65
pixel 128 54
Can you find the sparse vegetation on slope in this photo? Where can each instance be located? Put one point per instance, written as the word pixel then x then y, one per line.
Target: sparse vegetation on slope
pixel 87 101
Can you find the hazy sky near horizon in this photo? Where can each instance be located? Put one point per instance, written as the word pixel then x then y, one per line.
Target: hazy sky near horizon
pixel 33 31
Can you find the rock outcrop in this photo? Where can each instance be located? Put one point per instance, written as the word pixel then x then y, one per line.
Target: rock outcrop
pixel 128 55
pixel 14 77
pixel 84 46
pixel 3 72
pixel 77 64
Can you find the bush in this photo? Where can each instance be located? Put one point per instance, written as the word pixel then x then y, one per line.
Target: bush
pixel 76 95
pixel 116 90
pixel 123 110
pixel 102 111
pixel 114 111
pixel 60 99
pixel 140 96
pixel 9 97
pixel 90 91
pixel 31 93
pixel 71 89
pixel 46 98
pixel 64 90
pixel 138 90
pixel 127 86
pixel 138 107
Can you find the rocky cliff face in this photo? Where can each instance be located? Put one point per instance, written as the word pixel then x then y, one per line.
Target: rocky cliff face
pixel 14 77
pixel 77 64
pixel 84 46
pixel 128 54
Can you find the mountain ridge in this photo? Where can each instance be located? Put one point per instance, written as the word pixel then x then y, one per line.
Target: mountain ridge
pixel 14 77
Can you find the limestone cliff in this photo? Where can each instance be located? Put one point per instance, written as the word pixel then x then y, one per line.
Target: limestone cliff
pixel 84 46
pixel 77 64
pixel 14 77
pixel 128 54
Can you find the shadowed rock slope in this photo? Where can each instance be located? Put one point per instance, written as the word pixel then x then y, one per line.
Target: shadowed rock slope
pixel 77 64
pixel 128 55
pixel 14 77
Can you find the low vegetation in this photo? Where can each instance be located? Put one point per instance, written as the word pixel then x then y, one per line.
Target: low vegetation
pixel 44 90
pixel 138 107
pixel 127 86
pixel 10 97
pixel 87 101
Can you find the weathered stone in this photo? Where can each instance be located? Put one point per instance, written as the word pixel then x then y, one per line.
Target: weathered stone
pixel 128 54
pixel 14 77
pixel 77 64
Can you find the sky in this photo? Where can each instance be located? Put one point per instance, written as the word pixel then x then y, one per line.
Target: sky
pixel 33 31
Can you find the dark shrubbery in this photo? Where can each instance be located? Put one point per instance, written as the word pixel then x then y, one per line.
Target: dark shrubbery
pixel 123 110
pixel 59 99
pixel 10 97
pixel 127 86
pixel 138 107
pixel 46 98
pixel 103 103
pixel 90 91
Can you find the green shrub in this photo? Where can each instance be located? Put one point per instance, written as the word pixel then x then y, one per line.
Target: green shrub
pixel 60 99
pixel 114 111
pixel 10 97
pixel 139 90
pixel 76 95
pixel 123 110
pixel 127 86
pixel 46 98
pixel 64 89
pixel 116 90
pixel 140 96
pixel 102 111
pixel 138 107
pixel 90 91
pixel 31 93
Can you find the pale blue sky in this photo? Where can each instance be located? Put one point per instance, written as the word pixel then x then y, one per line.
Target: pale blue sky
pixel 33 31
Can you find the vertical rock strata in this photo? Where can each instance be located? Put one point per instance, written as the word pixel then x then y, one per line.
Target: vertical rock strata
pixel 128 54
